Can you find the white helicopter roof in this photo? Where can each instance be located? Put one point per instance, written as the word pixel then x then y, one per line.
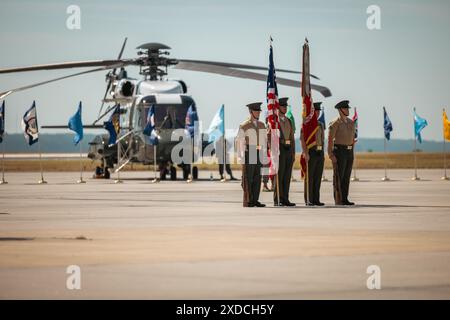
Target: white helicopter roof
pixel 148 87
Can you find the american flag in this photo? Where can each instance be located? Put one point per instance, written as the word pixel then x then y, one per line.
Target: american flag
pixel 272 115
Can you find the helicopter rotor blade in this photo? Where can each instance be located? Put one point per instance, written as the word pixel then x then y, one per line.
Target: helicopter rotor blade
pixel 7 93
pixel 68 65
pixel 108 86
pixel 183 62
pixel 247 75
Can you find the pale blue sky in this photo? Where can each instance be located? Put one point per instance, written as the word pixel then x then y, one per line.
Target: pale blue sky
pixel 401 66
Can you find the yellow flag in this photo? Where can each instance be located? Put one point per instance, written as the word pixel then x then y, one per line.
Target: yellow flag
pixel 446 126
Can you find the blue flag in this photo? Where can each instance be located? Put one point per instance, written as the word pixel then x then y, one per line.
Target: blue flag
pixel 217 126
pixel 387 125
pixel 75 124
pixel 149 129
pixel 419 124
pixel 322 118
pixel 30 125
pixel 191 118
pixel 2 121
pixel 113 125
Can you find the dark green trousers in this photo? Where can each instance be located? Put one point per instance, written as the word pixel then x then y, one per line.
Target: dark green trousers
pixel 315 171
pixel 284 174
pixel 253 175
pixel 344 166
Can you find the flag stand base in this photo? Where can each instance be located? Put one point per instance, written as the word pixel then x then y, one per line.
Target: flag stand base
pixel 3 181
pixel 354 179
pixel 442 178
pixel 415 178
pixel 385 179
pixel 81 181
pixel 155 180
pixel 189 180
pixel 324 179
pixel 118 181
pixel 42 181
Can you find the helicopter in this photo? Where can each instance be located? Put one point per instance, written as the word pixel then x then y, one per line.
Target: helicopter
pixel 169 98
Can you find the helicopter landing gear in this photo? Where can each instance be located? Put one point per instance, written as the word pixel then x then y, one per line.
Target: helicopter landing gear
pixel 187 172
pixel 162 172
pixel 195 173
pixel 173 173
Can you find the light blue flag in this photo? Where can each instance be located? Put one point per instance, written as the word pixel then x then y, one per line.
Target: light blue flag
pixel 217 127
pixel 76 125
pixel 419 124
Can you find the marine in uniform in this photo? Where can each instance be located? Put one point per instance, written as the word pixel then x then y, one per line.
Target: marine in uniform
pixel 251 148
pixel 286 159
pixel 341 134
pixel 314 157
pixel 223 158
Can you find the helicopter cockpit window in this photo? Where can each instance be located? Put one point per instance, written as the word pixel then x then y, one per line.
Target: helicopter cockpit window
pixel 167 116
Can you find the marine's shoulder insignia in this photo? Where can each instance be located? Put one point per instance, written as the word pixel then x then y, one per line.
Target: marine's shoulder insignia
pixel 244 123
pixel 333 122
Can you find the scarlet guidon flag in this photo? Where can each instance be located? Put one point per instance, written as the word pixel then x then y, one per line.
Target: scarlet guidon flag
pixel 272 114
pixel 309 123
pixel 355 120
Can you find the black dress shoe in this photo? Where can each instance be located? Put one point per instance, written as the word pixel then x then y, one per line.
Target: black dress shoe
pixel 233 179
pixel 348 203
pixel 259 204
pixel 320 204
pixel 250 204
pixel 309 204
pixel 289 204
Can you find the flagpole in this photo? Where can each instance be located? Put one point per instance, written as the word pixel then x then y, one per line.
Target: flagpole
pixel 42 181
pixel 118 162
pixel 355 178
pixel 415 157
pixel 224 149
pixel 81 166
pixel 385 178
pixel 445 153
pixel 3 181
pixel 307 180
pixel 154 164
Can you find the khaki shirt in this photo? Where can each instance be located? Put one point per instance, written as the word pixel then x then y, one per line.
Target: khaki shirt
pixel 342 131
pixel 251 136
pixel 287 131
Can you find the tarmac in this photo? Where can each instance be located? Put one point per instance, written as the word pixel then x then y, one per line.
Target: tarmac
pixel 178 240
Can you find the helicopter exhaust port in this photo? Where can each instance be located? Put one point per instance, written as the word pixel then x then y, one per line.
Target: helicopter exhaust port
pixel 124 89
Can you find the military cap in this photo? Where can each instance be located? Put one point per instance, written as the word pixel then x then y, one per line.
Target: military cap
pixel 255 106
pixel 342 104
pixel 317 105
pixel 283 102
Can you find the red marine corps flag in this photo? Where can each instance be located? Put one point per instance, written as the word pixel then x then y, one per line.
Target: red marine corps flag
pixel 309 123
